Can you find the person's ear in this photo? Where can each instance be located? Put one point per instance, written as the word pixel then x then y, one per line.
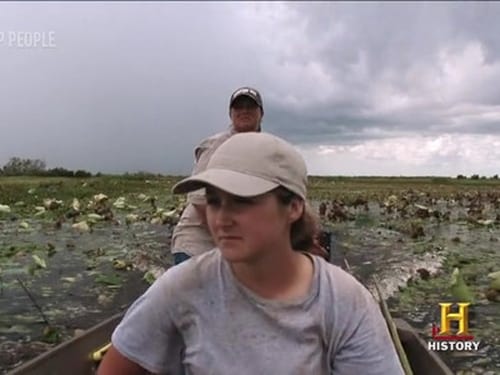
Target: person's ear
pixel 295 210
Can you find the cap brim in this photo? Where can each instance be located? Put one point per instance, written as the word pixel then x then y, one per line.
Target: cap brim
pixel 248 96
pixel 232 182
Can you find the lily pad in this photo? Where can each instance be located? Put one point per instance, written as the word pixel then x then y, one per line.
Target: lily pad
pixel 131 218
pixel 14 329
pixel 24 225
pixel 495 280
pixel 75 205
pixel 485 222
pixel 81 226
pixel 119 203
pixel 149 277
pixel 119 264
pixel 51 335
pixel 40 211
pixel 40 262
pixel 459 288
pixel 111 279
pixel 52 204
pixel 95 218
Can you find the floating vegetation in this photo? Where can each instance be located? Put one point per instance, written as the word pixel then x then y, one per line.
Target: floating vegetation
pixel 104 240
pixel 75 205
pixel 52 204
pixel 82 226
pixel 39 261
pixel 24 225
pixel 99 198
pixel 149 277
pixel 111 279
pixel 39 211
pixel 427 243
pixel 94 218
pixel 495 280
pixel 4 209
pixel 131 218
pixel 119 203
pixel 459 289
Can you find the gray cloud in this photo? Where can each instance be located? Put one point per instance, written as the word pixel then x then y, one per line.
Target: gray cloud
pixel 371 51
pixel 134 86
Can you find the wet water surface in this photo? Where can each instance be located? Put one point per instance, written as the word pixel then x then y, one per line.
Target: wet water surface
pixel 411 242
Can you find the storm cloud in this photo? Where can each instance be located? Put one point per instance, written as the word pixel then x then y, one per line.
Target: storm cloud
pixel 360 88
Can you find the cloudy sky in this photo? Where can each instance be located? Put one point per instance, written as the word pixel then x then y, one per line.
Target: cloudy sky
pixel 359 88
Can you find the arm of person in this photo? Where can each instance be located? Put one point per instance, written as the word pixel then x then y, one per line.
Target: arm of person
pixel 202 155
pixel 365 346
pixel 147 339
pixel 116 363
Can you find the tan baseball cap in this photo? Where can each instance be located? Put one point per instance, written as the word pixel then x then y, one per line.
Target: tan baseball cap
pixel 250 164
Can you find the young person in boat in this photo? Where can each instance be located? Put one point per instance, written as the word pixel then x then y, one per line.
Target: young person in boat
pixel 191 236
pixel 253 305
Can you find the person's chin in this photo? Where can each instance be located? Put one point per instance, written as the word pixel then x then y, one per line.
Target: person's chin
pixel 233 253
pixel 247 127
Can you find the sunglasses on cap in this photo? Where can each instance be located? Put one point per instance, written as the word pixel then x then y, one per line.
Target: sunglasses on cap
pixel 246 91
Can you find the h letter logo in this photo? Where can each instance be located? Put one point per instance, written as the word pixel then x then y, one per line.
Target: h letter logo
pixel 462 316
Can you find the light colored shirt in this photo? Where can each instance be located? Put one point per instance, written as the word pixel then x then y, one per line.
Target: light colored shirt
pixel 199 319
pixel 190 235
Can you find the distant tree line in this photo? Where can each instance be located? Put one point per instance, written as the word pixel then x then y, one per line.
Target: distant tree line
pixel 35 167
pixel 476 177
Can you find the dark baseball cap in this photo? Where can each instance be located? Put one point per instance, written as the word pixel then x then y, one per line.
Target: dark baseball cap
pixel 246 91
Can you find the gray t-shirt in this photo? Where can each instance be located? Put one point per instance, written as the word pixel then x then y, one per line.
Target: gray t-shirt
pixel 199 319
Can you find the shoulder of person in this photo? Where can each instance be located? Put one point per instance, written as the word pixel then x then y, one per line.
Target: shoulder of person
pixel 150 332
pixel 210 141
pixel 345 287
pixel 191 274
pixel 205 142
pixel 360 342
